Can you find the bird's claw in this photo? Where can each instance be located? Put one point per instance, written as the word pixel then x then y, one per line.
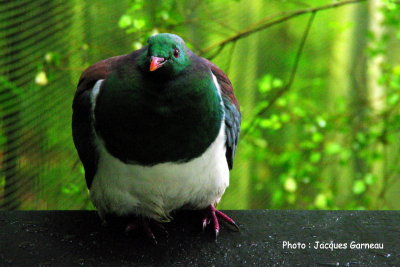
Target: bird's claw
pixel 228 220
pixel 206 221
pixel 214 216
pixel 147 226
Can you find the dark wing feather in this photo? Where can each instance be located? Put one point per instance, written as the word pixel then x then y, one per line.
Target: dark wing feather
pixel 232 112
pixel 82 118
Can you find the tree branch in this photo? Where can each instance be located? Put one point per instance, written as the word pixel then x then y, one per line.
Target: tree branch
pixel 292 76
pixel 266 23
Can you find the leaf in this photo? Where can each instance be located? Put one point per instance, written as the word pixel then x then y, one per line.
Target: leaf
pixel 370 179
pixel 277 83
pixel 359 187
pixel 41 78
pixel 321 201
pixel 333 148
pixel 285 117
pixel 315 157
pixel 139 23
pixel 264 85
pixel 268 82
pixel 290 185
pixel 70 189
pixel 137 45
pixel 321 122
pixel 317 137
pixel 164 15
pixel 393 99
pixel 125 21
pixel 48 57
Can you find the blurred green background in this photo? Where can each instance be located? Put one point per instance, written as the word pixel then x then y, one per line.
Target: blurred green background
pixel 318 82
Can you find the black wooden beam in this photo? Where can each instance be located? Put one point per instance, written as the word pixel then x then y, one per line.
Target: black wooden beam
pixel 71 238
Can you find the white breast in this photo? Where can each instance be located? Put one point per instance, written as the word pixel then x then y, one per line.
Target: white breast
pixel 155 191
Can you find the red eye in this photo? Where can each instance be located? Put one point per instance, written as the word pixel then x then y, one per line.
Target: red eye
pixel 176 52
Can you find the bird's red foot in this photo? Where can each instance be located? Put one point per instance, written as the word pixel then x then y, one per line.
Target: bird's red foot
pixel 213 215
pixel 147 226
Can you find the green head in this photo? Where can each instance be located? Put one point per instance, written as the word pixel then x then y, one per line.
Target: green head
pixel 166 53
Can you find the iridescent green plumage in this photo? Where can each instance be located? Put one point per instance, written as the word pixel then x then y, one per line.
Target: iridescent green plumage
pixel 169 115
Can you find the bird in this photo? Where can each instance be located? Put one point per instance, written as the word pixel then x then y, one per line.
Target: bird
pixel 156 131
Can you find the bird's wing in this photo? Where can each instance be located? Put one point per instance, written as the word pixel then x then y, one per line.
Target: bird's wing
pixel 82 119
pixel 232 112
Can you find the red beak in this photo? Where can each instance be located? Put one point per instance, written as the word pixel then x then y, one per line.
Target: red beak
pixel 156 62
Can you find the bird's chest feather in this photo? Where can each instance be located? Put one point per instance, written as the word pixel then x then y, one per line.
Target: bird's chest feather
pixel 149 123
pixel 154 191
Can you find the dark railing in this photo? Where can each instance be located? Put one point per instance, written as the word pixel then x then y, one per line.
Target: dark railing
pixel 267 238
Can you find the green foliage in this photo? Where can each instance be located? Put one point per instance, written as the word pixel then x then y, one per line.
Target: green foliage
pixel 312 140
pixel 137 21
pixel 327 141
